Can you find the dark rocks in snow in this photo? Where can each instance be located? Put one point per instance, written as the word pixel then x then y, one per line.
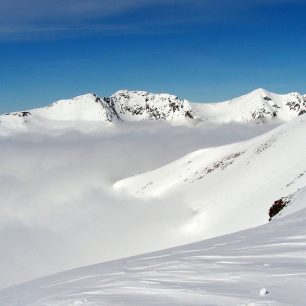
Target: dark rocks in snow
pixel 273 108
pixel 189 114
pixel 303 111
pixel 267 144
pixel 298 177
pixel 278 206
pixel 24 114
pixel 267 98
pixel 221 165
pixel 293 106
pixel 19 114
pixel 261 114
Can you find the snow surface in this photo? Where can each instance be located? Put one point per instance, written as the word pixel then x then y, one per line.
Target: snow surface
pixel 231 187
pixel 260 266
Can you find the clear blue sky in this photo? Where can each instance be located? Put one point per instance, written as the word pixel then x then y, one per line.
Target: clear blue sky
pixel 202 50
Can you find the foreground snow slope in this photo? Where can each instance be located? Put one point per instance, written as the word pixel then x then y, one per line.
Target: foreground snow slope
pixel 232 187
pixel 259 266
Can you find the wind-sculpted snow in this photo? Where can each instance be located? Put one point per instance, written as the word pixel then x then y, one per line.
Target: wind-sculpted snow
pixel 260 266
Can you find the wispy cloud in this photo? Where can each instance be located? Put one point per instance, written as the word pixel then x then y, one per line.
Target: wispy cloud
pixel 21 11
pixel 31 18
pixel 21 19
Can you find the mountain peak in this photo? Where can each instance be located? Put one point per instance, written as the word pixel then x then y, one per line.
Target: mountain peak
pixel 142 105
pixel 259 105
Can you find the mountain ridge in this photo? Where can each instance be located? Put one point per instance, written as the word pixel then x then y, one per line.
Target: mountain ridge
pixel 133 106
pixel 259 105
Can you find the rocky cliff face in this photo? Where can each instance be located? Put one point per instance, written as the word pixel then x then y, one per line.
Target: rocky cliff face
pixel 141 105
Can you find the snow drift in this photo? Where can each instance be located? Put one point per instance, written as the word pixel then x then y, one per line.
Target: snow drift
pixel 260 266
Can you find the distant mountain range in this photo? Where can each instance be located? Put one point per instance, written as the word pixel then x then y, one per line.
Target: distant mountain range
pixel 124 106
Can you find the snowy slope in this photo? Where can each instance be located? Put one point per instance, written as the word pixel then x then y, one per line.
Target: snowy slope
pixel 259 105
pixel 259 266
pixel 229 188
pixel 85 108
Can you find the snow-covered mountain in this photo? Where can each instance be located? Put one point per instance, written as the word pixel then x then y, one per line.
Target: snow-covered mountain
pixel 231 187
pixel 91 109
pixel 141 105
pixel 259 266
pixel 257 106
pixel 85 108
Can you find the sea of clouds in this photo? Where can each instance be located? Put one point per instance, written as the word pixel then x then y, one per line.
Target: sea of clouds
pixel 58 210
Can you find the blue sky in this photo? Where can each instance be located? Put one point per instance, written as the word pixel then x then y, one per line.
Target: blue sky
pixel 202 50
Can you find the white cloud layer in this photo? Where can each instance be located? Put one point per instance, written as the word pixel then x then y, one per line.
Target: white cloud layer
pixel 57 208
